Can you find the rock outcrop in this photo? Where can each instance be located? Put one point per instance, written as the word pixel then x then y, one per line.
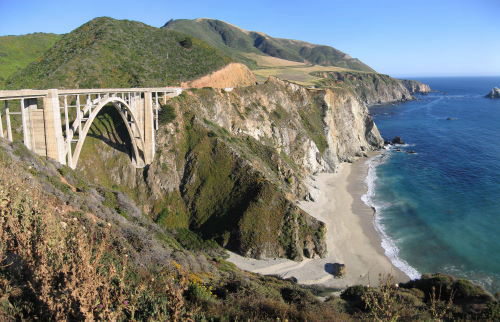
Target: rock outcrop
pixel 415 87
pixel 372 88
pixel 397 140
pixel 495 93
pixel 231 165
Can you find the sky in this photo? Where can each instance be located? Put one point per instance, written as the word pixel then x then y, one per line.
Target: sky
pixel 395 37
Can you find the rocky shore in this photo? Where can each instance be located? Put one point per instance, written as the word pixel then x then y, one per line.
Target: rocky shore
pixel 495 93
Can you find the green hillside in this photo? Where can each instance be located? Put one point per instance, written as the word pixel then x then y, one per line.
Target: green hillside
pixel 106 52
pixel 16 52
pixel 238 43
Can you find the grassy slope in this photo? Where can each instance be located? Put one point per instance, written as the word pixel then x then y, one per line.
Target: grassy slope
pixel 17 52
pixel 237 42
pixel 119 53
pixel 303 75
pixel 218 34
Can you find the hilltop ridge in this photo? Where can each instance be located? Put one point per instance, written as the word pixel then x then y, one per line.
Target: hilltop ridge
pixel 238 43
pixel 106 52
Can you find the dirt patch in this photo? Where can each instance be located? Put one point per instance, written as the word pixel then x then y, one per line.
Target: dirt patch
pixel 232 75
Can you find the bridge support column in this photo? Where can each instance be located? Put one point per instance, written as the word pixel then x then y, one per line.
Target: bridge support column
pixel 27 105
pixel 53 127
pixel 149 137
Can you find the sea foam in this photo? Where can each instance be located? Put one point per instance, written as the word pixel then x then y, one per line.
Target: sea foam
pixel 388 244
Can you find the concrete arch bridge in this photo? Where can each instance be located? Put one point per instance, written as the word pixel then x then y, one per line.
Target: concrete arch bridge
pixel 55 123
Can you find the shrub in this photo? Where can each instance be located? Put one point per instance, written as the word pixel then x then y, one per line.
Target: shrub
pixel 466 290
pixel 383 303
pixel 199 293
pixel 461 289
pixel 167 114
pixel 192 241
pixel 186 43
pixel 55 267
pixel 354 295
pixel 439 306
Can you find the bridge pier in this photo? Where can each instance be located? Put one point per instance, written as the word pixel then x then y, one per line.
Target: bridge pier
pixel 27 106
pixel 149 137
pixel 54 140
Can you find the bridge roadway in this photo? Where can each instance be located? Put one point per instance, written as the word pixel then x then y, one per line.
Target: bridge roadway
pixel 55 122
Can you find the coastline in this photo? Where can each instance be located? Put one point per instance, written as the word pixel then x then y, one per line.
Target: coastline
pixel 358 188
pixel 351 235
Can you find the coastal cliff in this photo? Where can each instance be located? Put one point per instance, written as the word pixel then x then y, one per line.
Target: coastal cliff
pixel 73 249
pixel 232 162
pixel 372 88
pixel 416 87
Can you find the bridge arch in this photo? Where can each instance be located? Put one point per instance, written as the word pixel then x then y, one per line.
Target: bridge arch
pixel 131 123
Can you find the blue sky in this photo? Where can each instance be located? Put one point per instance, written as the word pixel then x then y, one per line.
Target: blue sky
pixel 396 37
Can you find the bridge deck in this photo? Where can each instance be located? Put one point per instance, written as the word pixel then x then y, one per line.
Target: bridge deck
pixel 35 93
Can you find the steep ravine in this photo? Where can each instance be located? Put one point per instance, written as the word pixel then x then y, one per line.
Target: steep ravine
pixel 230 165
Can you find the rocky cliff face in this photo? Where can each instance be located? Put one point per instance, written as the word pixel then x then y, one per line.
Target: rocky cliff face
pixel 416 87
pixel 495 93
pixel 230 166
pixel 373 88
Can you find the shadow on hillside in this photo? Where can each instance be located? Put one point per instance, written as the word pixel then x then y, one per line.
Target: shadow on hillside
pixel 110 129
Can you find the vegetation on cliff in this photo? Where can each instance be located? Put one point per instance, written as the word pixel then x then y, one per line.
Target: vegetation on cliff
pixel 66 252
pixel 238 43
pixel 106 52
pixel 227 186
pixel 230 163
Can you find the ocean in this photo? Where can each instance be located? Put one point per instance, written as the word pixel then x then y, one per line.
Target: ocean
pixel 438 209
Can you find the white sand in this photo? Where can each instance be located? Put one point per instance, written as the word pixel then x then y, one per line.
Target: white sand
pixel 351 236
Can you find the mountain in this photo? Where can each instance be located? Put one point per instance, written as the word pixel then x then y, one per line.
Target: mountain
pixel 17 52
pixel 105 52
pixel 298 61
pixel 240 44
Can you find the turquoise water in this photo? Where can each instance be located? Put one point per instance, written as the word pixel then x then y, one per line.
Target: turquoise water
pixel 439 210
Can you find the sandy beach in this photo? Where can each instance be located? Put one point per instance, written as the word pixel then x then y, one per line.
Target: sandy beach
pixel 351 236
